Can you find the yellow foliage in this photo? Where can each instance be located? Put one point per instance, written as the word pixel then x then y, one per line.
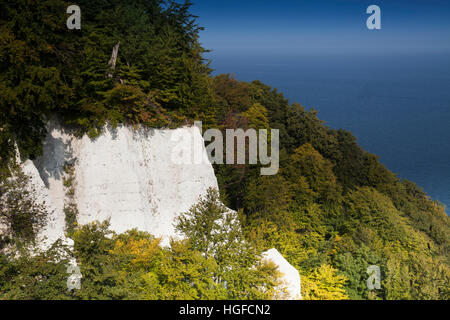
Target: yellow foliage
pixel 266 234
pixel 257 117
pixel 139 253
pixel 324 284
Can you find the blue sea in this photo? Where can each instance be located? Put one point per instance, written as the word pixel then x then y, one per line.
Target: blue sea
pixel 397 105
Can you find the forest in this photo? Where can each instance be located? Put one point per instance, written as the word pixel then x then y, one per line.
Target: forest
pixel 332 210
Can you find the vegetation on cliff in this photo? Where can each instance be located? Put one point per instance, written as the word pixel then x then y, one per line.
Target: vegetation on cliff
pixel 332 211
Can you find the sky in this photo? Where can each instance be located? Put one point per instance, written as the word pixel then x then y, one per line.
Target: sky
pixel 323 26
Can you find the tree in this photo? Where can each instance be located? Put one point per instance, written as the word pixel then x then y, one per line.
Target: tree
pixel 216 232
pixel 324 284
pixel 91 249
pixel 257 117
pixel 47 70
pixel 354 267
pixel 20 212
pixel 309 164
pixel 187 274
pixel 137 257
pixel 267 196
pixel 41 276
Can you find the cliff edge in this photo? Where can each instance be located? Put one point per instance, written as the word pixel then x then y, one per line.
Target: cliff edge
pixel 127 177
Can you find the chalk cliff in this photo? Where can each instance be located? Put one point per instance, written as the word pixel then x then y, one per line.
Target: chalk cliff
pixel 125 176
pixel 128 177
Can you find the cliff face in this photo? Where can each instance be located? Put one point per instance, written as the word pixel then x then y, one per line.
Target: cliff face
pixel 125 176
pixel 128 177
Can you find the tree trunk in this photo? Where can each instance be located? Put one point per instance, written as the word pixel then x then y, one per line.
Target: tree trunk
pixel 113 60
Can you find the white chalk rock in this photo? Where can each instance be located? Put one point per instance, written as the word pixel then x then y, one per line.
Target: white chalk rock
pixel 54 228
pixel 290 286
pixel 126 176
pixel 134 178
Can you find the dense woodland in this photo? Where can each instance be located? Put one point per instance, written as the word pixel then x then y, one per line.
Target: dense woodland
pixel 332 210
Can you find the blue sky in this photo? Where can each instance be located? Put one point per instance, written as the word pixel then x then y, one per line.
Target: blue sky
pixel 323 26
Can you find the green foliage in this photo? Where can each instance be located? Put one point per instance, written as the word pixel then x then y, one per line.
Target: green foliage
pixel 324 284
pixel 135 266
pixel 215 232
pixel 354 267
pixel 230 95
pixel 91 249
pixel 188 275
pixel 308 165
pixel 40 276
pixel 46 69
pixel 332 204
pixel 268 196
pixel 257 117
pixel 20 214
pixel 70 207
pixel 332 211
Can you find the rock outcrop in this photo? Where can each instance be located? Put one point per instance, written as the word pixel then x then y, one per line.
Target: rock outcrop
pixel 290 286
pixel 128 177
pixel 125 176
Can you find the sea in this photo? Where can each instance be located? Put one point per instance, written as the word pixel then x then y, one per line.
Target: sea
pixel 396 104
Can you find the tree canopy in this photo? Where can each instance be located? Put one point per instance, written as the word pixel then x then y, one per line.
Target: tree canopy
pixel 332 210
